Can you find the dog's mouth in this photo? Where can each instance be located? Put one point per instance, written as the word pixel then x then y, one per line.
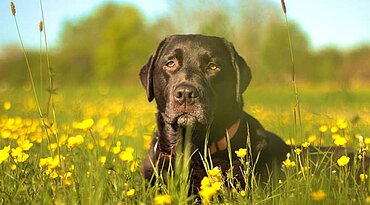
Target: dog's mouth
pixel 186 120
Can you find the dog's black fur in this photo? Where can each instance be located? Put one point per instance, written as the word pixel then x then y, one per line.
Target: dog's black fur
pixel 198 81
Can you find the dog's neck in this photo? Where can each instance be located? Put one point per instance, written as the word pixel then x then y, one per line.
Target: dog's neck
pixel 222 143
pixel 226 126
pixel 223 121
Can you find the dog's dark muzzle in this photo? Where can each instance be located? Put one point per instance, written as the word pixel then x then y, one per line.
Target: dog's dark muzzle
pixel 187 105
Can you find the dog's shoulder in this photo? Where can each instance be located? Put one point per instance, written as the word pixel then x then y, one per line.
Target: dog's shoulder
pixel 262 138
pixel 255 132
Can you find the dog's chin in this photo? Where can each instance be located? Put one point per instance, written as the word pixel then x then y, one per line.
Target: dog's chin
pixel 186 120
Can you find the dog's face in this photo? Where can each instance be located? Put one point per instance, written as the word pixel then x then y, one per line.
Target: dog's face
pixel 194 79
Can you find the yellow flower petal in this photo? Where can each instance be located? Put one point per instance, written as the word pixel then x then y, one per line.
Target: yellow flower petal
pixel 343 161
pixel 130 192
pixel 318 195
pixel 340 141
pixel 163 199
pixel 7 105
pixel 241 153
pixel 297 151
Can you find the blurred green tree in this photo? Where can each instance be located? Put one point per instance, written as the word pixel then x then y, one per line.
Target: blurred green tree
pixel 111 44
pixel 356 67
pixel 275 51
pixel 327 65
pixel 125 47
pixel 13 67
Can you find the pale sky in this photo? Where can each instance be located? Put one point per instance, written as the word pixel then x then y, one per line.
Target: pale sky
pixel 341 23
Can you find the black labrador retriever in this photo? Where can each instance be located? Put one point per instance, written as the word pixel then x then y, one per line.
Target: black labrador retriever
pixel 198 81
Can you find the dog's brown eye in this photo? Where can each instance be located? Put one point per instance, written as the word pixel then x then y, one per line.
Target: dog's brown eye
pixel 213 67
pixel 170 63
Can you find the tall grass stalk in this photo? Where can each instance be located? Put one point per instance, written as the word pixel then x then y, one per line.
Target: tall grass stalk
pixel 47 126
pixel 231 171
pixel 297 108
pixel 51 75
pixel 41 28
pixel 13 10
pixel 41 116
pixel 182 169
pixel 50 103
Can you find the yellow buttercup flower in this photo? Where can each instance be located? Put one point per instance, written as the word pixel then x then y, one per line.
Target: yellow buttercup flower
pixel 7 105
pixel 340 141
pixel 205 182
pixel 18 155
pixel 24 144
pixel 51 173
pixel 130 192
pixel 102 143
pixel 72 142
pixel 147 141
pixel 133 165
pixel 90 146
pixel 102 159
pixel 210 185
pixel 318 195
pixel 334 129
pixel 71 168
pixel 306 144
pixel 343 161
pixel 5 134
pixel 163 199
pixel 288 163
pixel 312 138
pixel 323 128
pixel 342 124
pixel 367 141
pixel 13 167
pixel 290 142
pixel 49 162
pixel 363 177
pixel 86 124
pixel 116 149
pixel 207 194
pixel 4 154
pixel 215 172
pixel 127 154
pixel 241 153
pixel 335 136
pixel 52 147
pixel 297 151
pixel 67 179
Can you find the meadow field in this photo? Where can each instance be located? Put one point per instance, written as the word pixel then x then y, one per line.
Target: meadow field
pixel 89 148
pixel 83 143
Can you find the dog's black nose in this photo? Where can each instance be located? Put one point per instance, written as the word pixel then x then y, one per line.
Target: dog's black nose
pixel 186 94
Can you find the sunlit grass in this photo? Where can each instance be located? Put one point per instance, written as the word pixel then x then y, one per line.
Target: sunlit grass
pixel 104 135
pixel 86 147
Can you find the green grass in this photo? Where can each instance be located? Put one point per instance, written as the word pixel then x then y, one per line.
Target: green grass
pixel 122 115
pixel 84 145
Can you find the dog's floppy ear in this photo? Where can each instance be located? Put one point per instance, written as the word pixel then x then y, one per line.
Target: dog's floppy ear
pixel 146 72
pixel 242 70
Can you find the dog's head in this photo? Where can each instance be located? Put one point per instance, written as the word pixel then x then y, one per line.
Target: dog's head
pixel 195 78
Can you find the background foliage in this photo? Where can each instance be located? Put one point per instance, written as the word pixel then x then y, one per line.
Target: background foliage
pixel 111 44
